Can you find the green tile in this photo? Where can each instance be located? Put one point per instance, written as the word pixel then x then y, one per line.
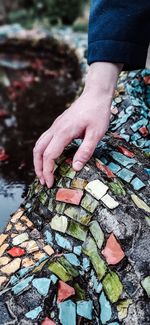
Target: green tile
pixel 76 230
pixel 112 286
pixel 78 214
pixel 117 188
pixel 89 203
pixel 68 266
pixel 60 271
pixel 146 285
pixel 97 233
pixel 60 207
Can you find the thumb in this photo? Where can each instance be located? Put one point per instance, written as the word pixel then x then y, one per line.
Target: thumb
pixel 85 151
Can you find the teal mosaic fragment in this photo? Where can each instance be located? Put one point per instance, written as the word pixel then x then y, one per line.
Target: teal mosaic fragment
pixel 13 279
pixel 147 171
pixel 135 136
pixel 137 184
pixel 19 287
pixel 77 250
pixel 97 286
pixel 24 271
pixel 32 314
pixel 106 311
pixel 63 242
pixel 122 159
pixel 48 237
pixel 126 175
pixel 54 278
pixel 138 124
pixel 67 312
pixel 86 264
pixel 84 309
pixel 42 285
pixel 72 258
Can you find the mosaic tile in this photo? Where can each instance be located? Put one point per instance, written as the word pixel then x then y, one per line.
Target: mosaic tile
pixel 64 291
pixel 106 312
pixel 86 264
pixel 48 321
pixel 140 203
pixel 97 286
pixel 3 249
pixel 71 173
pixel 19 239
pixel 97 233
pixel 30 246
pixel 32 314
pixel 69 196
pixel 48 250
pixel 122 159
pixel 72 258
pixel 63 242
pixel 109 201
pixel 113 251
pixel 104 169
pixel 146 285
pixel 78 214
pixel 79 183
pixel 77 250
pixel 42 285
pixel 63 169
pixel 114 167
pixel 89 248
pixel 117 188
pixel 60 271
pixel 20 227
pixel 89 203
pixel 60 207
pixel 9 226
pixel 144 131
pixel 139 124
pixel 3 280
pixel 112 286
pixel 17 215
pixel 2 238
pixel 26 221
pixel 122 308
pixel 16 251
pixel 126 175
pixel 67 265
pixel 67 312
pixel 11 267
pixel 96 188
pixel 26 262
pixel 38 255
pixel 4 260
pixel 48 237
pixel 21 285
pixel 80 292
pixel 85 309
pixel 59 223
pixel 76 230
pixel 125 151
pixel 137 184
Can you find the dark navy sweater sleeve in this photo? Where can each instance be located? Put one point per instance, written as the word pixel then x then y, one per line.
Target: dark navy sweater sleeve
pixel 119 31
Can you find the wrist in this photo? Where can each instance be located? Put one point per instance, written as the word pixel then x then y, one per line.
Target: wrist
pixel 102 78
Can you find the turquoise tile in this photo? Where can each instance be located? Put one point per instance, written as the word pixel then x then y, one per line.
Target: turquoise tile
pixel 32 314
pixel 86 264
pixel 48 237
pixel 125 137
pixel 122 159
pixel 42 285
pixel 13 279
pixel 54 278
pixel 114 323
pixel 72 258
pixel 135 136
pixel 114 167
pixel 85 308
pixel 24 271
pixel 147 171
pixel 63 242
pixel 106 312
pixel 77 250
pixel 126 175
pixel 137 184
pixel 139 124
pixel 67 312
pixel 97 286
pixel 19 287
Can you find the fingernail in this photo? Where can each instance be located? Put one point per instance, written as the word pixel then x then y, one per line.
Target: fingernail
pixel 42 181
pixel 78 165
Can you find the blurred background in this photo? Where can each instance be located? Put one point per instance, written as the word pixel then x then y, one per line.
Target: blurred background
pixel 39 78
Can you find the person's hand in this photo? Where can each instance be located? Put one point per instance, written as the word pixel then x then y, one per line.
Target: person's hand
pixel 87 118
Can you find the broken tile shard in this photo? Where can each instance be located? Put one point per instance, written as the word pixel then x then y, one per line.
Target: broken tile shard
pixel 106 312
pixel 69 195
pixel 109 201
pixel 59 223
pixel 112 286
pixel 16 251
pixel 20 238
pixel 42 285
pixel 96 188
pixel 113 251
pixel 64 291
pixel 97 233
pixel 85 309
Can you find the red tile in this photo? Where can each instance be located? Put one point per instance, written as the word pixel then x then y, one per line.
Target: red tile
pixel 144 131
pixel 147 80
pixel 64 291
pixel 116 135
pixel 48 321
pixel 125 151
pixel 69 161
pixel 113 251
pixel 16 251
pixel 104 169
pixel 69 196
pixel 114 110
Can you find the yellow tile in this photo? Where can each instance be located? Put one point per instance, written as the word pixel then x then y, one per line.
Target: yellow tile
pixel 3 280
pixel 17 215
pixel 30 246
pixel 2 238
pixel 4 260
pixel 3 248
pixel 26 262
pixel 27 221
pixel 20 227
pixel 11 267
pixel 38 255
pixel 48 249
pixel 9 226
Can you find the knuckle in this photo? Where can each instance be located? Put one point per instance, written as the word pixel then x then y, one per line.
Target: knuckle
pixel 46 155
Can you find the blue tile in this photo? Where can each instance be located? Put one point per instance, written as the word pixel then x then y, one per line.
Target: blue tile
pixel 63 242
pixel 114 167
pixel 13 279
pixel 85 308
pixel 42 285
pixel 126 175
pixel 25 270
pixel 106 311
pixel 67 312
pixel 48 237
pixel 122 159
pixel 77 250
pixel 72 259
pixel 137 184
pixel 135 136
pixel 19 287
pixel 54 278
pixel 86 263
pixel 32 314
pixel 139 124
pixel 114 323
pixel 97 286
pixel 125 137
pixel 147 171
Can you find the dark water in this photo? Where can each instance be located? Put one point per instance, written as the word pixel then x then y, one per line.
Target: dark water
pixel 36 86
